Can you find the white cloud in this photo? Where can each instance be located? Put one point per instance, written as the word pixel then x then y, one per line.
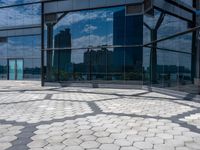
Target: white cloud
pixel 89 28
pixel 20 15
pixel 73 18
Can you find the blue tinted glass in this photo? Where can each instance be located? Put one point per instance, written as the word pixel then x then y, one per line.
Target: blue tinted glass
pixel 3 69
pixel 12 66
pixel 19 69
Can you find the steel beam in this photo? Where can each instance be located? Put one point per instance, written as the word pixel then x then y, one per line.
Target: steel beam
pixel 180 11
pixel 20 31
pixel 174 10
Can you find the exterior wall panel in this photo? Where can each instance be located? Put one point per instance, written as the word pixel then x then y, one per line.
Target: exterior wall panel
pixel 71 5
pixel 20 32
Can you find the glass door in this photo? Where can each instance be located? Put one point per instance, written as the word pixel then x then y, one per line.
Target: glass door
pixel 19 69
pixel 12 67
pixel 16 69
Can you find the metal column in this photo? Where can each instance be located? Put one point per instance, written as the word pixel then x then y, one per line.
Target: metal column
pixel 49 52
pixel 42 44
pixel 197 74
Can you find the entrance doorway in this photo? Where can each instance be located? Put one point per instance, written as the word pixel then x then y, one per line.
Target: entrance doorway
pixel 16 68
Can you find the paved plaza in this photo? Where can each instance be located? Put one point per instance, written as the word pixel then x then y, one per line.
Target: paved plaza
pixel 80 118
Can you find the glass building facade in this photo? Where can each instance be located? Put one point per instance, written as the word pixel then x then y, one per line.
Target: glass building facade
pixel 83 33
pixel 102 45
pixel 20 56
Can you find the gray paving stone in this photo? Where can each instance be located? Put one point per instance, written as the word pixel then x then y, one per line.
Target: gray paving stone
pixel 72 142
pixel 105 140
pixel 86 118
pixel 129 148
pixel 90 144
pixel 123 142
pixel 143 145
pixel 182 148
pixel 54 147
pixel 193 145
pixel 118 135
pixel 175 142
pixel 164 136
pixel 101 134
pixel 5 145
pixel 164 147
pixel 37 144
pixel 109 147
pixel 154 140
pixel 73 148
pixel 88 138
pixel 135 138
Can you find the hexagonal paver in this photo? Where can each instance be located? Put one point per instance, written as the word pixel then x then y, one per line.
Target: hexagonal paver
pixel 64 119
pixel 8 134
pixel 56 146
pixel 105 140
pixel 154 140
pixel 109 147
pixel 143 145
pixel 143 106
pixel 44 110
pixel 123 142
pixel 37 144
pixel 101 134
pixel 90 144
pixel 72 142
pixel 74 148
pixel 88 138
pixel 129 148
pixel 5 145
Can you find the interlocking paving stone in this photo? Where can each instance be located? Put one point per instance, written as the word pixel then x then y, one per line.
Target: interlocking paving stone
pixel 143 145
pixel 83 96
pixel 123 142
pixel 193 119
pixel 129 138
pixel 67 118
pixel 74 148
pixel 8 134
pixel 164 147
pixel 45 110
pixel 140 106
pixel 105 140
pixel 37 144
pixel 109 147
pixel 90 144
pixel 5 145
pixel 129 148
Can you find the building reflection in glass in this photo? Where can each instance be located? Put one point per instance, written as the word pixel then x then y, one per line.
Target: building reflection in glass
pixel 93 63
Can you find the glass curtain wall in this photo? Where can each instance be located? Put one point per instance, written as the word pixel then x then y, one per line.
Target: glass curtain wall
pixel 168 64
pixel 91 45
pixel 18 46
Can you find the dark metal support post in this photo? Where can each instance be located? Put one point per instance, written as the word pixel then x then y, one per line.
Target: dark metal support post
pixel 194 49
pixel 153 53
pixel 42 44
pixel 49 53
pixel 153 58
pixel 90 64
pixel 197 74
